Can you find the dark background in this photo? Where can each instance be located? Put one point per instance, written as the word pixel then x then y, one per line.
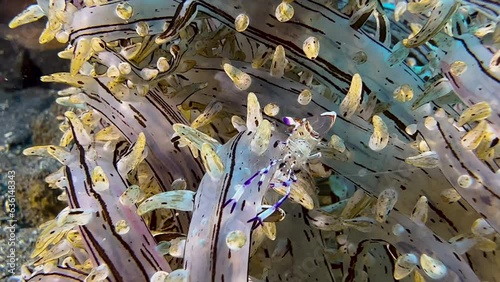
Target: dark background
pixel 28 117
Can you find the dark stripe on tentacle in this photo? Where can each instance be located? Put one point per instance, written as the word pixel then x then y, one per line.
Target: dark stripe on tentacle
pixel 220 208
pixel 326 66
pixel 88 235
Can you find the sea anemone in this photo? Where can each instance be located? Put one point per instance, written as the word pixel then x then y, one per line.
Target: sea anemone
pixel 374 155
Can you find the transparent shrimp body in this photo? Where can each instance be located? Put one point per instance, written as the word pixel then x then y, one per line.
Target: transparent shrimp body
pixel 296 151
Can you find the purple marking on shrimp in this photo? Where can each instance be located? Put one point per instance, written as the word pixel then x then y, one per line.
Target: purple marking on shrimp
pixel 289 121
pixel 234 199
